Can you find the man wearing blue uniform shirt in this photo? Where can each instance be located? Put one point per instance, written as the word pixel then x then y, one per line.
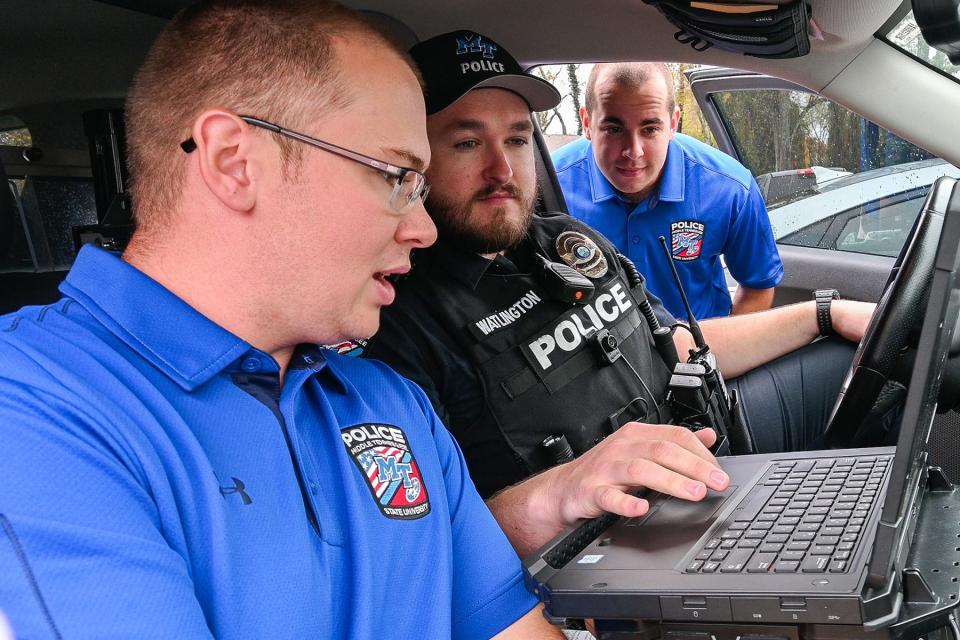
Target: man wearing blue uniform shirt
pixel 178 460
pixel 635 179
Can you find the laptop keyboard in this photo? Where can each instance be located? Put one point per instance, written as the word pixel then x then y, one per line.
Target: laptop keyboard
pixel 803 516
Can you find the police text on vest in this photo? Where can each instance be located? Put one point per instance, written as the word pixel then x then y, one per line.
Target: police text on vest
pixel 568 334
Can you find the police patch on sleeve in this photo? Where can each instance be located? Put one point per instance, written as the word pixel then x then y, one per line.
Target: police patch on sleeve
pixel 581 253
pixel 686 239
pixel 389 468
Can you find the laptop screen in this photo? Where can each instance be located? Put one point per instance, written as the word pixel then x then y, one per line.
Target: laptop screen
pixel 936 344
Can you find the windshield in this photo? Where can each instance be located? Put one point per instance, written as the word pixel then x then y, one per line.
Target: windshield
pixel 907 37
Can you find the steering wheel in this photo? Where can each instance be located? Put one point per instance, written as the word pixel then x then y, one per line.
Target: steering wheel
pixel 898 313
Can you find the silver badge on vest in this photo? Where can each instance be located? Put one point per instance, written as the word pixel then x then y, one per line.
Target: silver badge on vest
pixel 581 253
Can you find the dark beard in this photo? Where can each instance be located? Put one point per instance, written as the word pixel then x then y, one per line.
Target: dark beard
pixel 498 233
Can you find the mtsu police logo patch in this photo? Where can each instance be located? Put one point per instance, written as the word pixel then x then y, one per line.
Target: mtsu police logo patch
pixel 384 458
pixel 581 253
pixel 687 239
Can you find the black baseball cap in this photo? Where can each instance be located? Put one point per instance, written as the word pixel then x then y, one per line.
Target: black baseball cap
pixel 454 63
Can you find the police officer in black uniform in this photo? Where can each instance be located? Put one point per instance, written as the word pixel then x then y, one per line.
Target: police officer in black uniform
pixel 511 365
pixel 534 339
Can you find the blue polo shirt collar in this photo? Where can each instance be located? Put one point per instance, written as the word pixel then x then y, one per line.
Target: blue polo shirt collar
pixel 185 345
pixel 671 181
pixel 600 187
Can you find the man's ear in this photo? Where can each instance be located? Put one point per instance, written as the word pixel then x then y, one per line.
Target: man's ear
pixel 675 120
pixel 224 145
pixel 585 119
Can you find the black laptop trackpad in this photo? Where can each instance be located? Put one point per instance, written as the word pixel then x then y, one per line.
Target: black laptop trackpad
pixel 662 538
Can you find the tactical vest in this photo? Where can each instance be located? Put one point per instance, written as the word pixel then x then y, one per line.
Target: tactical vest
pixel 542 369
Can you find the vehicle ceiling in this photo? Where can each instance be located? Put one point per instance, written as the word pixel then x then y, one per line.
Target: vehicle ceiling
pixel 602 30
pixel 74 37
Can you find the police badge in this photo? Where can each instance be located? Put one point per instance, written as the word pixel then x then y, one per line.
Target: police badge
pixel 581 253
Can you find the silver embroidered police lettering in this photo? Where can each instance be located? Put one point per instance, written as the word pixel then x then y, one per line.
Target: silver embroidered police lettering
pixel 568 334
pixel 482 65
pixel 501 319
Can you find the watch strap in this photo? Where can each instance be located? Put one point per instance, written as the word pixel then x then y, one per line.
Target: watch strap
pixel 824 298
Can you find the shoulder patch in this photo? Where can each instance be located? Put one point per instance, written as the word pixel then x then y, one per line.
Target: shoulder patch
pixel 384 458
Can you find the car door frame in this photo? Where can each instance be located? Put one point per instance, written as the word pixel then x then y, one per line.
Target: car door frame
pixel 805 268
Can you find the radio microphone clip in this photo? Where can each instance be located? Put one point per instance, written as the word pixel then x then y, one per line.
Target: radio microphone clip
pixel 564 283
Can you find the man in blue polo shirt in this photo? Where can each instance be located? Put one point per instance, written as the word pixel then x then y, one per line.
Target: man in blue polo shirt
pixel 178 460
pixel 635 179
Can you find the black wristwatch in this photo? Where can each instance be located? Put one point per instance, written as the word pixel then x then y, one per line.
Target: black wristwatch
pixel 824 297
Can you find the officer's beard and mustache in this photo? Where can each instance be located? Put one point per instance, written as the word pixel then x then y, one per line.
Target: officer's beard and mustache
pixel 458 224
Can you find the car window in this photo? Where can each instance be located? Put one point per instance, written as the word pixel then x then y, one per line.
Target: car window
pixel 50 193
pixel 812 140
pixel 907 37
pixel 831 179
pixel 881 227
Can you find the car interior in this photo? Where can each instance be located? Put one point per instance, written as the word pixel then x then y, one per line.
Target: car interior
pixel 67 65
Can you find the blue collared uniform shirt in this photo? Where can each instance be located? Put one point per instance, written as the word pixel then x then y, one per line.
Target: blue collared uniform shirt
pixel 157 482
pixel 706 205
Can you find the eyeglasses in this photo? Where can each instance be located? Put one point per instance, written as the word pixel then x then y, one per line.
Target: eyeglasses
pixel 409 185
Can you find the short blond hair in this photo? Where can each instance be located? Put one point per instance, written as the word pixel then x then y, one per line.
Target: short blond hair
pixel 273 59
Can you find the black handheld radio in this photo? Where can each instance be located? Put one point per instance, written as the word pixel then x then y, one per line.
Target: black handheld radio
pixel 697 395
pixel 565 283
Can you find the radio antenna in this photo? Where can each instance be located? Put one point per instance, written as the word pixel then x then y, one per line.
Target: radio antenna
pixel 694 326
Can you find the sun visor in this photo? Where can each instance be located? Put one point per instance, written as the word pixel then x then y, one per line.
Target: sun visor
pixel 765 29
pixel 939 20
